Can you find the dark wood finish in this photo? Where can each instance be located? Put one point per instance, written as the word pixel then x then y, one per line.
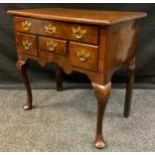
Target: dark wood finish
pixel 62 30
pixel 102 93
pixel 95 43
pixel 97 17
pixel 121 46
pixel 83 55
pixel 32 48
pixel 53 45
pixel 129 89
pixel 58 78
pixel 22 70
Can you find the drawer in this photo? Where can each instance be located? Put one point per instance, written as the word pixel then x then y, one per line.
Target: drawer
pixel 75 32
pixel 62 30
pixel 27 25
pixel 27 44
pixel 83 55
pixel 52 45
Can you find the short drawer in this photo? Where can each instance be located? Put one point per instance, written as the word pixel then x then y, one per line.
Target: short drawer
pixel 27 43
pixel 27 25
pixel 52 45
pixel 63 30
pixel 83 55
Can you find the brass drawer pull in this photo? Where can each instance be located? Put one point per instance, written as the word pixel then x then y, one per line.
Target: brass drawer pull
pixel 51 45
pixel 26 25
pixel 83 56
pixel 79 33
pixel 27 45
pixel 50 29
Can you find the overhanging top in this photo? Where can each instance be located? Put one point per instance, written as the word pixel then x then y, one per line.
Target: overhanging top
pixel 96 17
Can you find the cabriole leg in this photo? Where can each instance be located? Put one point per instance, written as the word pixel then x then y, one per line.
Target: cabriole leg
pixel 21 67
pixel 102 93
pixel 58 78
pixel 129 89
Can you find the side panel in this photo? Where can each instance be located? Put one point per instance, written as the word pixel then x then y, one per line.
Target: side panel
pixel 121 46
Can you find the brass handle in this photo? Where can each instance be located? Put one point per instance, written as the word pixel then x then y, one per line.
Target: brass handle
pixel 50 29
pixel 83 56
pixel 79 33
pixel 51 45
pixel 27 45
pixel 26 25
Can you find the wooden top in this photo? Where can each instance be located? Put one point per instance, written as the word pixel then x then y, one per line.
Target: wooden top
pixel 76 15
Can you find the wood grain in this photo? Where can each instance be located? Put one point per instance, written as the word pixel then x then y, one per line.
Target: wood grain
pixel 63 29
pixel 90 63
pixel 20 37
pixel 61 45
pixel 101 43
pixel 79 16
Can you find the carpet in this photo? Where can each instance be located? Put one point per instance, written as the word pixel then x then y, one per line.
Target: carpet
pixel 65 121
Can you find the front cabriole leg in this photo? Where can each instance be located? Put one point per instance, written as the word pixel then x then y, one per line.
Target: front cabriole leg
pixel 21 67
pixel 102 93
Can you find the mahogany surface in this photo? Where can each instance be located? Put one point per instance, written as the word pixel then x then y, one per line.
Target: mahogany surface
pixel 95 43
pixel 64 29
pixel 97 17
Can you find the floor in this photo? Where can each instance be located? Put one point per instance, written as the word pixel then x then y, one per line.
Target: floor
pixel 65 121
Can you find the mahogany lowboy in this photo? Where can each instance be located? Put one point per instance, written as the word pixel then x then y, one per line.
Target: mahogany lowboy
pixel 95 43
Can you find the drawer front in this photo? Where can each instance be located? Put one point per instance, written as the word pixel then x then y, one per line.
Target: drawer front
pixel 27 25
pixel 52 45
pixel 83 55
pixel 62 30
pixel 27 44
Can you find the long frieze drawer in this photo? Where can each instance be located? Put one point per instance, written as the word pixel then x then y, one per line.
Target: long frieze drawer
pixel 83 55
pixel 62 30
pixel 53 45
pixel 27 44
